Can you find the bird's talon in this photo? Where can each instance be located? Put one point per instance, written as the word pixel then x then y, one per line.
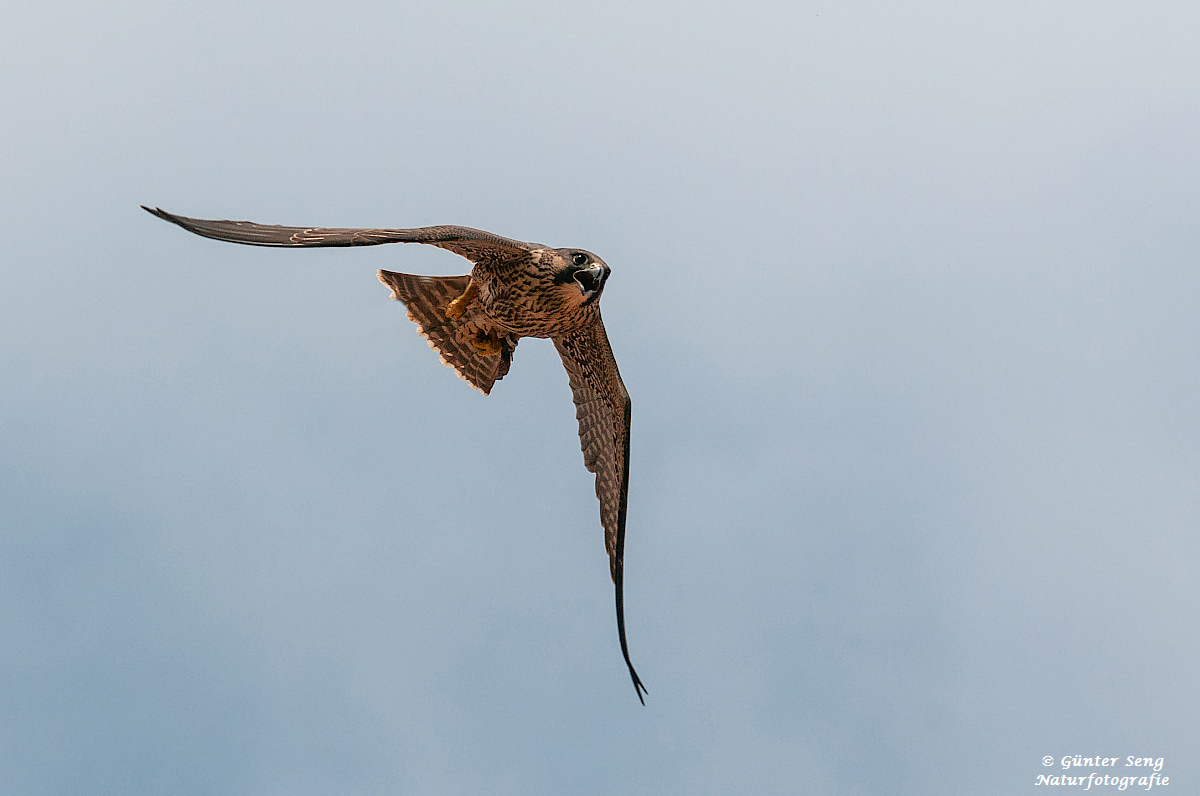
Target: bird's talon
pixel 487 343
pixel 458 307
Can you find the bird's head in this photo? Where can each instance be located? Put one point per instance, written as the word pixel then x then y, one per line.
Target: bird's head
pixel 584 272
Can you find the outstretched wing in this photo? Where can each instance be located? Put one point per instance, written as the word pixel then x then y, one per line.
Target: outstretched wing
pixel 474 244
pixel 603 409
pixel 426 298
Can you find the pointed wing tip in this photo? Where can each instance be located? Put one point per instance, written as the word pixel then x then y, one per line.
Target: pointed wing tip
pixel 638 688
pixel 158 212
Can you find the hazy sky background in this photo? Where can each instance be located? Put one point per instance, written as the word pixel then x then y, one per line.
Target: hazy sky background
pixel 906 300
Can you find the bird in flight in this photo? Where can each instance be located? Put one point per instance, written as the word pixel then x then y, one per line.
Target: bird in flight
pixel 474 322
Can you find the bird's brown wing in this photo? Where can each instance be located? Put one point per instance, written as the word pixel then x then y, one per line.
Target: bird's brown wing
pixel 426 298
pixel 603 409
pixel 474 244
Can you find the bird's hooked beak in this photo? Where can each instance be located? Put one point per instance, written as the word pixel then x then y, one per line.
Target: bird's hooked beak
pixel 591 281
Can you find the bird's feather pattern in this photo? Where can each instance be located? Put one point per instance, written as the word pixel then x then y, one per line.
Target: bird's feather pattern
pixel 474 244
pixel 603 409
pixel 426 298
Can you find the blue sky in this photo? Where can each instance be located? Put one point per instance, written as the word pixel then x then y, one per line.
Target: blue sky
pixel 905 300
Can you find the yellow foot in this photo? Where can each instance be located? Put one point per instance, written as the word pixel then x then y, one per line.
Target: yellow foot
pixel 460 304
pixel 487 343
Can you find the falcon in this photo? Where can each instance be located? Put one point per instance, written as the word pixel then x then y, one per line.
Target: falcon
pixel 474 322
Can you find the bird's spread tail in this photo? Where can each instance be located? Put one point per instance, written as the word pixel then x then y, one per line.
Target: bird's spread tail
pixel 467 342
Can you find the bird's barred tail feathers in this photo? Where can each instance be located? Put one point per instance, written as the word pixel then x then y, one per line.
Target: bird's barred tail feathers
pixel 426 298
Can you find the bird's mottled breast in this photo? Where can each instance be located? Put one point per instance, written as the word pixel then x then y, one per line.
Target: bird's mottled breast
pixel 523 296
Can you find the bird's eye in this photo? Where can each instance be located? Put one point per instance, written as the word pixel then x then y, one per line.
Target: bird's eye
pixel 579 258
